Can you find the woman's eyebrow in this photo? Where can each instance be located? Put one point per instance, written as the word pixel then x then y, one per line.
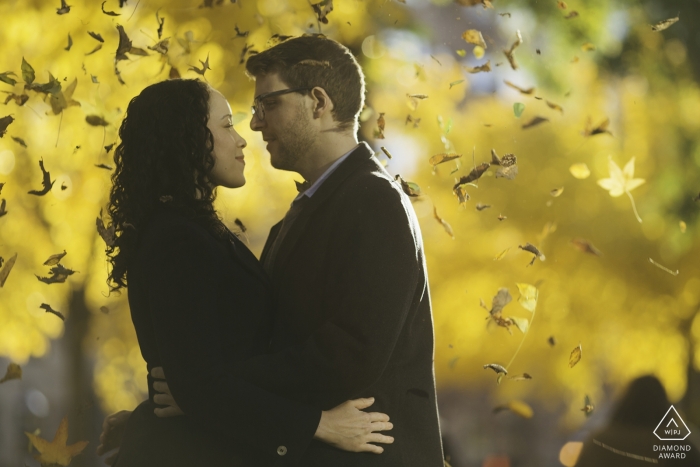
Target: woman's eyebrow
pixel 227 115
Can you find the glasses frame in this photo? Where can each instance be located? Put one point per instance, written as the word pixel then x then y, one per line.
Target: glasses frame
pixel 258 108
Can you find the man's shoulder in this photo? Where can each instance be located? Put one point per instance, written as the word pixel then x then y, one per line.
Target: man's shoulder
pixel 373 182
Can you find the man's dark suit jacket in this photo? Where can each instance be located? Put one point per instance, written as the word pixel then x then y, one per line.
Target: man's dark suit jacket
pixel 201 305
pixel 353 314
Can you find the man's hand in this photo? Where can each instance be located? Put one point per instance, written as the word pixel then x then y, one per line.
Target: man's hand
pixel 113 429
pixel 164 397
pixel 348 428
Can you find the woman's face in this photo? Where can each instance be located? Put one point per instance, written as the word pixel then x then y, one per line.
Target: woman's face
pixel 228 144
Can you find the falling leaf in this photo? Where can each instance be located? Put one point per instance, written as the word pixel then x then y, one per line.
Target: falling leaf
pixel 664 268
pixel 497 368
pixel 554 106
pixel 70 43
pixel 518 109
pixel 499 301
pixel 461 194
pixel 587 406
pixel 46 181
pixel 28 74
pixel 168 198
pixel 552 341
pixel 438 61
pixel 461 52
pixel 532 249
pixel 20 99
pixel 454 83
pixel 557 192
pixel 443 222
pixel 588 47
pixel 528 296
pixel 523 377
pixel 240 225
pixel 98 47
pixel 508 166
pixel 104 310
pixel 585 246
pixel 519 408
pixel 478 52
pixel 501 254
pixel 528 91
pixel 474 36
pixel 47 307
pixel 501 217
pixel 453 361
pixel 239 33
pixel 109 13
pixel 575 356
pixel 174 74
pixel 665 24
pixel 504 14
pixel 65 8
pixel 104 166
pixel 562 5
pixel 410 188
pixel 7 267
pixel 5 78
pixel 572 15
pixel 19 141
pixel 62 100
pixel 379 132
pixel 4 123
pixel 3 212
pixel 521 323
pixel 14 371
pixel 322 10
pixel 486 67
pixel 509 53
pixel 580 171
pixel 96 36
pixel 622 181
pixel 56 452
pixel 417 96
pixel 681 224
pixel 58 275
pixel 534 122
pixel 474 175
pixel 107 233
pixel 386 151
pixel 205 67
pixel 55 259
pixel 96 120
pixel 442 158
pixel 481 207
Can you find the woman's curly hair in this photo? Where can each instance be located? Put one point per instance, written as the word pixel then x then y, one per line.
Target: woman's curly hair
pixel 164 156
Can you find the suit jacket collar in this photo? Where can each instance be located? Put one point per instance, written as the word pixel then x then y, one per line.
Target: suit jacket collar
pixel 247 259
pixel 360 156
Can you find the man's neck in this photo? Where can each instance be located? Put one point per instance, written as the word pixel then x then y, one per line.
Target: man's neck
pixel 325 155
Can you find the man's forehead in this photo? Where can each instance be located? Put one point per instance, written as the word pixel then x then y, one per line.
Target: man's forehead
pixel 268 83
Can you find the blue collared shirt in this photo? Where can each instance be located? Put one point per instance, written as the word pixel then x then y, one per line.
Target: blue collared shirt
pixel 317 184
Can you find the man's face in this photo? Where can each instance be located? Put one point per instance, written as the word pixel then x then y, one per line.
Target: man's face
pixel 287 126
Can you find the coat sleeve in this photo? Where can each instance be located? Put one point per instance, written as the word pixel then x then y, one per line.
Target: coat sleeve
pixel 184 274
pixel 369 284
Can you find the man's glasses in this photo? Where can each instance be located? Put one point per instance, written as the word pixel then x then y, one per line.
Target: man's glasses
pixel 258 108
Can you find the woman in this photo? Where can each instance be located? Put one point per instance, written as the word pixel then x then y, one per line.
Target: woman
pixel 199 299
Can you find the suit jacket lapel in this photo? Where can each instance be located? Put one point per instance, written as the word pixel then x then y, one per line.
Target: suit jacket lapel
pixel 355 160
pixel 247 259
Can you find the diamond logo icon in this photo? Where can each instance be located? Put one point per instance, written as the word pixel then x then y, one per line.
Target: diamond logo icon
pixel 672 427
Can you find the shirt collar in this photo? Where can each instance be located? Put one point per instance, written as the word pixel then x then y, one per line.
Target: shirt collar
pixel 309 192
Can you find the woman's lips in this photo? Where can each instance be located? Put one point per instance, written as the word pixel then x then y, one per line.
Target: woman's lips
pixel 241 159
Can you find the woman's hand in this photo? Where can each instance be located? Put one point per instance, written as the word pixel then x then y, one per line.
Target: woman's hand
pixel 348 428
pixel 113 429
pixel 164 397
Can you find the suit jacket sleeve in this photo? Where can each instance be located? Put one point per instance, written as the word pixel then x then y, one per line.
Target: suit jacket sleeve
pixel 369 284
pixel 184 268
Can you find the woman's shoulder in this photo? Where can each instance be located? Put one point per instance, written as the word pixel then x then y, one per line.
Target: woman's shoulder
pixel 169 227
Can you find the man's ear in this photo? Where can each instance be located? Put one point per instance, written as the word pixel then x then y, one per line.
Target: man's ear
pixel 322 104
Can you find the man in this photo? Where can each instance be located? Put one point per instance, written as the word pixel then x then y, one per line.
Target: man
pixel 347 263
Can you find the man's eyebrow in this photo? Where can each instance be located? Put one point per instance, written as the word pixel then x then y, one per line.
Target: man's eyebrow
pixel 227 115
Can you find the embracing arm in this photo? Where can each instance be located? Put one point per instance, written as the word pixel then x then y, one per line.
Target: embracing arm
pixel 368 289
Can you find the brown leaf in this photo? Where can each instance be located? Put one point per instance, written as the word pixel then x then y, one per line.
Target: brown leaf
pixel 462 195
pixel 386 151
pixel 410 188
pixel 104 166
pixel 107 233
pixel 501 217
pixel 665 24
pixel 474 175
pixel 500 300
pixel 48 309
pixel 473 36
pixel 481 207
pixel 174 74
pixel 58 275
pixel 508 169
pixel 575 356
pixel 528 91
pixel 124 45
pixel 104 310
pixel 205 67
pixel 110 13
pixel 586 246
pixel 532 249
pixel 552 341
pixel 379 132
pixel 70 43
pixel 601 128
pixel 554 106
pixel 509 53
pixel 557 192
pixel 55 259
pixel 98 47
pixel 161 23
pixel 442 158
pixel 7 267
pixel 14 371
pixel 96 120
pixel 486 67
pixel 4 123
pixel 96 36
pixel 3 211
pixel 443 222
pixel 572 15
pixel 523 377
pixel 497 368
pixel 46 181
pixel 562 5
pixel 240 225
pixel 20 99
pixel 534 122
pixel 65 8
pixel 322 10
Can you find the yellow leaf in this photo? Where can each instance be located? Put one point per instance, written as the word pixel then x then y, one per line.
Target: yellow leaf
pixel 580 171
pixel 588 47
pixel 528 296
pixel 14 371
pixel 621 181
pixel 56 452
pixel 570 452
pixel 474 37
pixel 440 158
pixel 575 356
pixel 521 323
pixel 5 271
pixel 462 53
pixel 478 52
pixel 557 192
pixel 501 254
pixel 519 408
pixel 683 226
pixel 665 24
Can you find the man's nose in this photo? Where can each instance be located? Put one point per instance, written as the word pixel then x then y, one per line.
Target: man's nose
pixel 255 123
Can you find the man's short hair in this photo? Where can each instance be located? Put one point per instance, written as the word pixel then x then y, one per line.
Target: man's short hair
pixel 309 61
